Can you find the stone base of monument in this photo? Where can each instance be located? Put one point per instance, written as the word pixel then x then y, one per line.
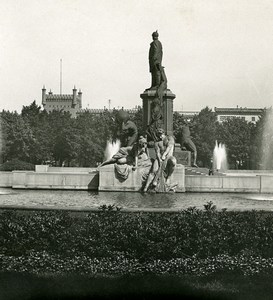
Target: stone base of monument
pixel 191 179
pixel 108 180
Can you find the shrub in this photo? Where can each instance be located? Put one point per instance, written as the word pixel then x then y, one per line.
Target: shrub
pixel 16 164
pixel 142 235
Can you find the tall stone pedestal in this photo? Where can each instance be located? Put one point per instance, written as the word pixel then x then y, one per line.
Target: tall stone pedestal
pixel 147 99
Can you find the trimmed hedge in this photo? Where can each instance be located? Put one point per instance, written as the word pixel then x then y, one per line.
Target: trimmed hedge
pixel 145 236
pixel 16 164
pixel 45 263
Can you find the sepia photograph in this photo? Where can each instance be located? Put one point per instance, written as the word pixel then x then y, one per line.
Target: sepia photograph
pixel 136 149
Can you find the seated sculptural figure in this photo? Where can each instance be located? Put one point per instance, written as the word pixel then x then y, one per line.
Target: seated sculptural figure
pixel 127 129
pixel 134 155
pixel 164 164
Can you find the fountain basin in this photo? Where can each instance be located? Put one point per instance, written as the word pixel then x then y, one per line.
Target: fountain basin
pixel 232 181
pixel 109 182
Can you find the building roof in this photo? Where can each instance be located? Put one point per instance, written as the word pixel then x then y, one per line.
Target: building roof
pixel 102 110
pixel 238 110
pixel 59 97
pixel 187 112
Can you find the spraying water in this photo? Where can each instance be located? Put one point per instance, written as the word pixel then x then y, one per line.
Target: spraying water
pixel 267 141
pixel 220 157
pixel 1 141
pixel 111 149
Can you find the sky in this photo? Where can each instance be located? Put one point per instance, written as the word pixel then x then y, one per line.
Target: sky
pixel 216 53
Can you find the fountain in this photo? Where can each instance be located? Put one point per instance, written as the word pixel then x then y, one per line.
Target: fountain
pixel 157 114
pixel 267 141
pixel 1 141
pixel 112 148
pixel 220 157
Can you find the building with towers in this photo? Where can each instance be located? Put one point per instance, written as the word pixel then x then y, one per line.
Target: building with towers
pixel 64 102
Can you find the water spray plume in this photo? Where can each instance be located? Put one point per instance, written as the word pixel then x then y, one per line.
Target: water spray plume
pixel 267 141
pixel 220 157
pixel 112 148
pixel 1 141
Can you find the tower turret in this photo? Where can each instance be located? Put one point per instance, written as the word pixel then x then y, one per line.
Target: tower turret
pixel 74 101
pixel 80 98
pixel 44 96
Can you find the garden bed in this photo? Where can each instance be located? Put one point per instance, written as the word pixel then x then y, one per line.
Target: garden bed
pixel 110 244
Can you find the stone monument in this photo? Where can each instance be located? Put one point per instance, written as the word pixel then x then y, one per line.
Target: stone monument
pixel 158 171
pixel 158 99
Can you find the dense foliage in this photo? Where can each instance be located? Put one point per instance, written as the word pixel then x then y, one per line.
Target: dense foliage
pixel 38 137
pixel 143 235
pixel 187 242
pixel 243 140
pixel 16 164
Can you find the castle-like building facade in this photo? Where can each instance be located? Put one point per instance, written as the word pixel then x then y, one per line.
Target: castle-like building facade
pixel 71 103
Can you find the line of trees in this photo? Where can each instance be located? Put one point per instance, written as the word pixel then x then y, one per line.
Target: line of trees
pixel 38 137
pixel 243 140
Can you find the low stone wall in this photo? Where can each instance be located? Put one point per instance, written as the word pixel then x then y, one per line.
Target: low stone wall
pixel 266 184
pixel 6 179
pixel 53 180
pixel 105 180
pixel 243 184
pixel 109 182
pixel 231 171
pixel 46 168
pixel 71 170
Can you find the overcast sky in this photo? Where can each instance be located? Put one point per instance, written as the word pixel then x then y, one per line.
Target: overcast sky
pixel 216 53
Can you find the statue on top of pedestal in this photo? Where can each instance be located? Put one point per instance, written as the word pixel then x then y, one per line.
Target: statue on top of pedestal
pixel 155 60
pixel 159 79
pixel 159 84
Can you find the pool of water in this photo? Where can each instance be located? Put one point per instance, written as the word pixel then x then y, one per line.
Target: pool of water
pixel 86 200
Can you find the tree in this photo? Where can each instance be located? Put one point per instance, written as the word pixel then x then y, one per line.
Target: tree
pixel 235 133
pixel 40 125
pixel 18 137
pixel 62 136
pixel 177 124
pixel 203 131
pixel 262 141
pixel 137 118
pixel 93 132
pixel 31 114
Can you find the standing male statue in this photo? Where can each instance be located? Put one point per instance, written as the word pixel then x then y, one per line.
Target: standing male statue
pixel 155 60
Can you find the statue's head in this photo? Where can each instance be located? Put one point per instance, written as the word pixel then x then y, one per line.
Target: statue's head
pixel 155 35
pixel 122 116
pixel 142 141
pixel 160 133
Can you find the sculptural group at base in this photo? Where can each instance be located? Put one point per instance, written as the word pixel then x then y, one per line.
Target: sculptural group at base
pixel 134 154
